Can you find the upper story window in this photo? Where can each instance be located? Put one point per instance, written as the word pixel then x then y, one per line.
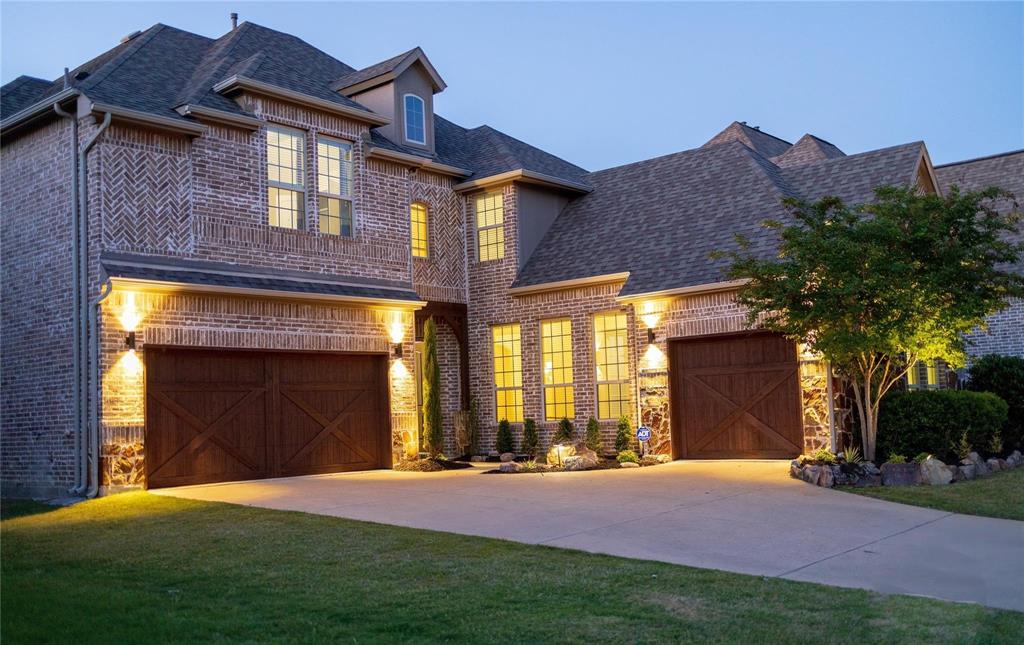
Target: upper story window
pixel 924 375
pixel 418 228
pixel 334 186
pixel 490 226
pixel 286 177
pixel 611 358
pixel 508 373
pixel 415 119
pixel 556 365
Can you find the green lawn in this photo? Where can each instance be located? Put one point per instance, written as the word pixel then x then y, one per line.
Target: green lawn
pixel 998 495
pixel 141 567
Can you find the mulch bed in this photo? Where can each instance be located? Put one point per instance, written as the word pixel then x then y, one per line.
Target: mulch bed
pixel 430 465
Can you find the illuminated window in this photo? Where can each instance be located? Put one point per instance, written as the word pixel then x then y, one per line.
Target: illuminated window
pixel 286 182
pixel 490 226
pixel 334 186
pixel 415 119
pixel 508 373
pixel 924 375
pixel 556 364
pixel 611 358
pixel 418 214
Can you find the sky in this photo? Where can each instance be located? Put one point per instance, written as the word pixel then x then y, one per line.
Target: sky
pixel 602 84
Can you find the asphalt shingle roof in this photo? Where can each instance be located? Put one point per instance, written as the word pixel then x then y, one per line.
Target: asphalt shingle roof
pixel 809 149
pixel 675 210
pixel 373 71
pixel 761 142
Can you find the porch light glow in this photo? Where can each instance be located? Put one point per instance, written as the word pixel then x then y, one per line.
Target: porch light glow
pixel 653 359
pixel 651 312
pixel 396 330
pixel 129 316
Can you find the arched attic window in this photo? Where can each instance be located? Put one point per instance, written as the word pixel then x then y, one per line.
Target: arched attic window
pixel 415 119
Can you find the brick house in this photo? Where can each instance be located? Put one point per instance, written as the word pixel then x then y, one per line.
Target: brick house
pixel 218 256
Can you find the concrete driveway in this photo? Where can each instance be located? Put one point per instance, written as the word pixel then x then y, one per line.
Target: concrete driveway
pixel 743 516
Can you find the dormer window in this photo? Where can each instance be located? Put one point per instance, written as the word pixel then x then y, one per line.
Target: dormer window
pixel 415 120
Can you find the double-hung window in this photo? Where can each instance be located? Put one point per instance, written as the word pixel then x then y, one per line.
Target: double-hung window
pixel 611 358
pixel 508 373
pixel 556 366
pixel 334 186
pixel 418 229
pixel 924 375
pixel 415 120
pixel 490 226
pixel 286 177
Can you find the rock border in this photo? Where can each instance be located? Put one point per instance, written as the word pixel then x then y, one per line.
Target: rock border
pixel 931 471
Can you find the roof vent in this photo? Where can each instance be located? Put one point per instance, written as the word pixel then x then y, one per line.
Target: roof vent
pixel 234 20
pixel 82 75
pixel 130 36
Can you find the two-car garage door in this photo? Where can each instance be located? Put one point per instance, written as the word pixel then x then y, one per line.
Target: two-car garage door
pixel 735 396
pixel 228 415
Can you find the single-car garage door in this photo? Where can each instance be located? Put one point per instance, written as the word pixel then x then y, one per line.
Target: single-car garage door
pixel 215 415
pixel 735 396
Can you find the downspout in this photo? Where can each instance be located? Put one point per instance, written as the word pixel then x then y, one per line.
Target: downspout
pixel 89 312
pixel 77 346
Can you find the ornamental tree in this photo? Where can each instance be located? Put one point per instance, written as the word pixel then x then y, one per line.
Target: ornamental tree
pixel 433 421
pixel 876 287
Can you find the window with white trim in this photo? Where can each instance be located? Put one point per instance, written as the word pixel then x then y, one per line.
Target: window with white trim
pixel 334 186
pixel 415 119
pixel 286 177
pixel 556 369
pixel 490 226
pixel 611 360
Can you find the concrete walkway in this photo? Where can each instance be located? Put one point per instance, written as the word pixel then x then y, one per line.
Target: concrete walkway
pixel 743 516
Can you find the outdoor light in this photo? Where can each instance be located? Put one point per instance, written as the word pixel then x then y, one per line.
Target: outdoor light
pixel 129 340
pixel 396 350
pixel 650 336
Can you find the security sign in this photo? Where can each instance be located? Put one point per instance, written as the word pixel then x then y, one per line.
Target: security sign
pixel 643 433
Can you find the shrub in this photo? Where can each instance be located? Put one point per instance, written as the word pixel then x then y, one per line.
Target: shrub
pixel 1004 377
pixel 995 443
pixel 963 448
pixel 627 455
pixel 433 421
pixel 593 435
pixel 851 455
pixel 922 457
pixel 824 455
pixel 896 458
pixel 504 442
pixel 565 432
pixel 623 434
pixel 530 437
pixel 935 421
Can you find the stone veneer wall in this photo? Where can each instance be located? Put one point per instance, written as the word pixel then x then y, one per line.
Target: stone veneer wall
pixel 193 320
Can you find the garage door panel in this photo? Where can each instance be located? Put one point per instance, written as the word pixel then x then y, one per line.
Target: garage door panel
pixel 223 416
pixel 735 397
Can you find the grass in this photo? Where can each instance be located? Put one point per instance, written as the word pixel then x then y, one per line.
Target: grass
pixel 139 567
pixel 998 495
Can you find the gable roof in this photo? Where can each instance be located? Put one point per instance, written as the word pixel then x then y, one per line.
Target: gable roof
pixel 382 72
pixel 681 207
pixel 808 149
pixel 763 143
pixel 21 92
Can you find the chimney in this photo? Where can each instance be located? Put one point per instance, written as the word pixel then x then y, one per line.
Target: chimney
pixel 234 20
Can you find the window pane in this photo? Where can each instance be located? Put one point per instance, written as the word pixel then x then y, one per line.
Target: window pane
pixel 490 227
pixel 556 368
pixel 335 216
pixel 418 229
pixel 334 168
pixel 611 364
pixel 285 207
pixel 508 379
pixel 415 127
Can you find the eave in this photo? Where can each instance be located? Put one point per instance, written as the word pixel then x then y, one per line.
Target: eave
pixel 214 115
pixel 146 119
pixel 243 83
pixel 526 177
pixel 374 152
pixel 38 110
pixel 562 285
pixel 710 287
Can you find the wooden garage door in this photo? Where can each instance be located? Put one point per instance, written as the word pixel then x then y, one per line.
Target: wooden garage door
pixel 227 415
pixel 735 397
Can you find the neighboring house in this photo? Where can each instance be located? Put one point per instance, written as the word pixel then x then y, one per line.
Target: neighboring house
pixel 265 229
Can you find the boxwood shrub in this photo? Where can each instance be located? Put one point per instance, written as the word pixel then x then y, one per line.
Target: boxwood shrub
pixel 934 421
pixel 1004 377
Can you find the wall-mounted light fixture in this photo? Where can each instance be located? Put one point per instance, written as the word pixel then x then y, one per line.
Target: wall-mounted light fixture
pixel 650 337
pixel 396 350
pixel 129 340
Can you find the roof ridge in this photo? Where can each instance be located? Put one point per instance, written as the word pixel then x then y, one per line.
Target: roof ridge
pixel 984 158
pixel 760 131
pixel 222 51
pixel 770 171
pixel 108 68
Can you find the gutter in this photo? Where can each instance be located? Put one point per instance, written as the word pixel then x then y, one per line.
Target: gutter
pixel 526 177
pixel 235 83
pixel 35 111
pixel 151 120
pixel 608 278
pixel 416 161
pixel 710 287
pixel 219 116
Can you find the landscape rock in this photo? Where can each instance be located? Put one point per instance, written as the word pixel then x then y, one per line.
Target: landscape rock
pixel 583 451
pixel 979 464
pixel 810 474
pixel 507 456
pixel 654 460
pixel 993 465
pixel 794 469
pixel 825 478
pixel 478 458
pixel 870 468
pixel 900 474
pixel 555 451
pixel 1015 459
pixel 955 473
pixel 935 473
pixel 578 462
pixel 868 481
pixel 629 464
pixel 968 471
pixel 510 467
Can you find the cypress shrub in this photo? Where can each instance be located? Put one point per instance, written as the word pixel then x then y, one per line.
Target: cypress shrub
pixel 623 434
pixel 594 435
pixel 503 442
pixel 936 422
pixel 433 421
pixel 565 432
pixel 530 437
pixel 1004 377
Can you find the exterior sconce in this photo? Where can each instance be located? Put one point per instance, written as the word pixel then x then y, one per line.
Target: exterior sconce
pixel 129 341
pixel 396 350
pixel 650 336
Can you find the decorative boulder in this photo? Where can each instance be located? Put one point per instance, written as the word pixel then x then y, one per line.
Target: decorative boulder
pixel 954 472
pixel 968 470
pixel 578 462
pixel 583 451
pixel 825 478
pixel 979 464
pixel 629 464
pixel 1015 459
pixel 935 473
pixel 900 474
pixel 557 454
pixel 507 456
pixel 993 465
pixel 654 460
pixel 811 474
pixel 794 469
pixel 478 458
pixel 510 467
